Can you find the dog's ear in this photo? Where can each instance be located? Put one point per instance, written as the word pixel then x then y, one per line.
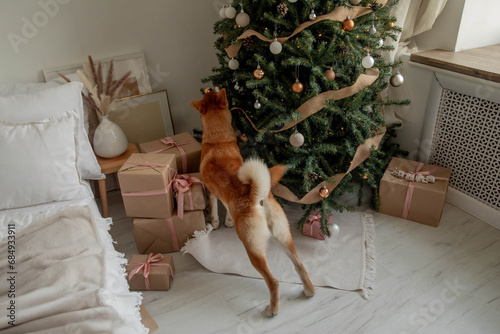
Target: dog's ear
pixel 199 105
pixel 222 98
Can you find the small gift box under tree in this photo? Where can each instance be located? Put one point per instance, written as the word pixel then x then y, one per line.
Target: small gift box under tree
pixel 414 191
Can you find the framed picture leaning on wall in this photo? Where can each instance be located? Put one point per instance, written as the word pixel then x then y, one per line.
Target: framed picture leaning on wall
pixel 144 117
pixel 137 83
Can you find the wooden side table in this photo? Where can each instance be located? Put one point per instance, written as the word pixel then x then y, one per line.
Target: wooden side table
pixel 109 166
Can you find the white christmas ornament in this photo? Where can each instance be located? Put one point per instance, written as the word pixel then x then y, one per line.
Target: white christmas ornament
pixel 236 86
pixel 230 12
pixel 222 12
pixel 335 229
pixel 242 20
pixel 276 47
pixel 354 2
pixel 292 1
pixel 372 30
pixel 297 139
pixel 234 64
pixel 368 61
pixel 257 104
pixel 397 80
pixel 380 42
pixel 312 16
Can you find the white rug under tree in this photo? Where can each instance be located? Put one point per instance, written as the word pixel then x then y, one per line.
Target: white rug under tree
pixel 345 261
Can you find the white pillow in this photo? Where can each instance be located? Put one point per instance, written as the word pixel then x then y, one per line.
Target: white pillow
pixel 35 105
pixel 39 162
pixel 16 88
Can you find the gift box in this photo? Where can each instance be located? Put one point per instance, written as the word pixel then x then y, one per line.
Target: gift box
pixel 147 320
pixel 414 191
pixel 186 149
pixel 166 235
pixel 189 192
pixel 150 272
pixel 146 185
pixel 312 227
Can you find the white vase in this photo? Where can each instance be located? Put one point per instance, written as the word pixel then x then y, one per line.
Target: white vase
pixel 109 139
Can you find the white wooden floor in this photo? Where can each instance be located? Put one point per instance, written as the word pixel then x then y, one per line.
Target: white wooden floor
pixel 429 280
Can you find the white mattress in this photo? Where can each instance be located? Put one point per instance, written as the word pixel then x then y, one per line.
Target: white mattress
pixel 123 301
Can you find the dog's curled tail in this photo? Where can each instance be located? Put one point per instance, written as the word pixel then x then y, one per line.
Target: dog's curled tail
pixel 255 172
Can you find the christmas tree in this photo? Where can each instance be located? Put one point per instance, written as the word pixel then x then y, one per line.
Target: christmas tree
pixel 304 80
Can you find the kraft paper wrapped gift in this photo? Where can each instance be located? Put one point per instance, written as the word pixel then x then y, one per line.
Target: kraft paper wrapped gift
pixel 146 185
pixel 147 320
pixel 186 149
pixel 414 191
pixel 150 272
pixel 168 234
pixel 189 192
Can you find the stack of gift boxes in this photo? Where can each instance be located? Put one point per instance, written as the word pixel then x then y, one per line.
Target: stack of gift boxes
pixel 163 192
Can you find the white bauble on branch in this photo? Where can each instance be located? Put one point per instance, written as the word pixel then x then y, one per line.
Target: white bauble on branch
pixel 276 47
pixel 380 43
pixel 242 20
pixel 368 61
pixel 397 79
pixel 292 1
pixel 257 104
pixel 230 12
pixel 297 139
pixel 222 12
pixel 234 64
pixel 372 30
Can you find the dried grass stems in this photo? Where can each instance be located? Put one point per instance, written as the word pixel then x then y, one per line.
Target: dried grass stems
pixel 102 94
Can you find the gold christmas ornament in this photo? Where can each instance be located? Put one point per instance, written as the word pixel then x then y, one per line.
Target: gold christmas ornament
pixel 258 73
pixel 348 24
pixel 330 74
pixel 324 192
pixel 391 24
pixel 365 176
pixel 297 87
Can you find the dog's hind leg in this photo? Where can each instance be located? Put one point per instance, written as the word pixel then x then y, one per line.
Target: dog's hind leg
pixel 229 220
pixel 214 211
pixel 280 229
pixel 254 235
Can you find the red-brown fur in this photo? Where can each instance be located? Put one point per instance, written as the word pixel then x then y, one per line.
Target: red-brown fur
pixel 256 220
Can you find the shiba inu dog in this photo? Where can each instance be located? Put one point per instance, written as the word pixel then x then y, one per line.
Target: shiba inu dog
pixel 245 190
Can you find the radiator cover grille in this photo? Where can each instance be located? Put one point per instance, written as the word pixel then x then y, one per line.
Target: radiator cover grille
pixel 467 140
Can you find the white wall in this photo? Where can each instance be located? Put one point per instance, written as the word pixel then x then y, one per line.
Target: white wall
pixel 480 24
pixel 462 25
pixel 176 37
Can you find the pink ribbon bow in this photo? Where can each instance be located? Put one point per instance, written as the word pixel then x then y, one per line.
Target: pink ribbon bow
pixel 411 186
pixel 169 142
pixel 146 267
pixel 182 184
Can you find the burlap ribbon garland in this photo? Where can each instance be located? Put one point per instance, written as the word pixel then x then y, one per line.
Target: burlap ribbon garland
pixel 311 107
pixel 338 14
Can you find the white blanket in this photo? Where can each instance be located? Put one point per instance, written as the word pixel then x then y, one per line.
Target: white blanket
pixel 66 276
pixel 345 261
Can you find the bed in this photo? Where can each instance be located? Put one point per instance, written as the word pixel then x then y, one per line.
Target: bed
pixel 59 270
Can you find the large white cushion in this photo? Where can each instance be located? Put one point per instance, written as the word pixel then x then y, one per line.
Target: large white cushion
pixel 38 162
pixel 34 102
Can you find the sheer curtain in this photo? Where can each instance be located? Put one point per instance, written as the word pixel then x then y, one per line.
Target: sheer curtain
pixel 415 17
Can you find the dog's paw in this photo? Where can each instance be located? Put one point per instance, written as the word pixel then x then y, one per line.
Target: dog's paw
pixel 309 292
pixel 215 223
pixel 269 312
pixel 229 222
